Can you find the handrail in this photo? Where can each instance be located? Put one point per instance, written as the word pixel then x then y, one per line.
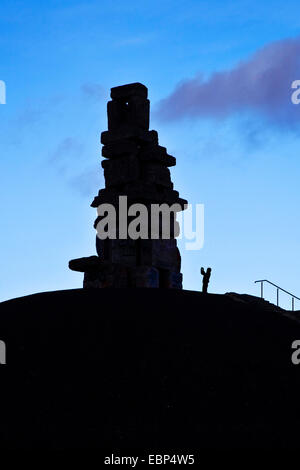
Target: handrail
pixel 278 289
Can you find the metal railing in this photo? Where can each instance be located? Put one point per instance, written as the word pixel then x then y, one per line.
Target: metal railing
pixel 278 289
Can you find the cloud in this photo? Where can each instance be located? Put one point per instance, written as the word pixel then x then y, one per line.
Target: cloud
pixel 67 161
pixel 261 84
pixel 67 147
pixel 88 182
pixel 30 116
pixel 67 150
pixel 93 90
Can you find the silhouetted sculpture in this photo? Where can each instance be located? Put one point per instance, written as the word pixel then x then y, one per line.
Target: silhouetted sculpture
pixel 205 280
pixel 135 166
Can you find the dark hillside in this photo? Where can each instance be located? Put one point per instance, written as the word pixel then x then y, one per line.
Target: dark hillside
pixel 147 368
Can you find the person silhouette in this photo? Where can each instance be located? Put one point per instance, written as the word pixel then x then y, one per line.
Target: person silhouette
pixel 206 276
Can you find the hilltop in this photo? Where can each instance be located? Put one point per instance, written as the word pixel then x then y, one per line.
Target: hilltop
pixel 147 369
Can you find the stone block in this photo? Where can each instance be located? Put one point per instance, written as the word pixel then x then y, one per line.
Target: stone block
pixel 172 280
pixel 139 112
pixel 162 254
pixel 114 276
pixel 155 173
pixel 124 252
pixel 120 171
pixel 145 276
pixel 86 264
pixel 156 153
pixel 107 195
pixel 135 113
pixel 120 148
pixel 129 132
pixel 117 114
pixel 124 92
pixel 92 281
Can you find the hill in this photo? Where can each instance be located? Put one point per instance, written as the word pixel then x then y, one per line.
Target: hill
pixel 147 369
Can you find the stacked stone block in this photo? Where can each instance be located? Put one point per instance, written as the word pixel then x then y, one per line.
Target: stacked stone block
pixel 136 166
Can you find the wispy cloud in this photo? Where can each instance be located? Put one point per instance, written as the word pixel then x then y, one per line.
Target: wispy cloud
pixel 67 147
pixel 261 84
pixel 93 90
pixel 88 182
pixel 30 116
pixel 67 160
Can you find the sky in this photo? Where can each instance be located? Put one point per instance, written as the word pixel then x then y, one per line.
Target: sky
pixel 219 76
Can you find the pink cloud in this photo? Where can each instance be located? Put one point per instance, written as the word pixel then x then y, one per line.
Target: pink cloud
pixel 261 84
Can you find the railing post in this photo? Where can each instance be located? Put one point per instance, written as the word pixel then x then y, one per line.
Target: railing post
pixel 277 293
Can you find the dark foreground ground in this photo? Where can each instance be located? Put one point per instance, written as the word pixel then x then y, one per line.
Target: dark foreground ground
pixel 147 369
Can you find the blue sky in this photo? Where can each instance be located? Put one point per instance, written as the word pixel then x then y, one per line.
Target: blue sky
pixel 59 60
